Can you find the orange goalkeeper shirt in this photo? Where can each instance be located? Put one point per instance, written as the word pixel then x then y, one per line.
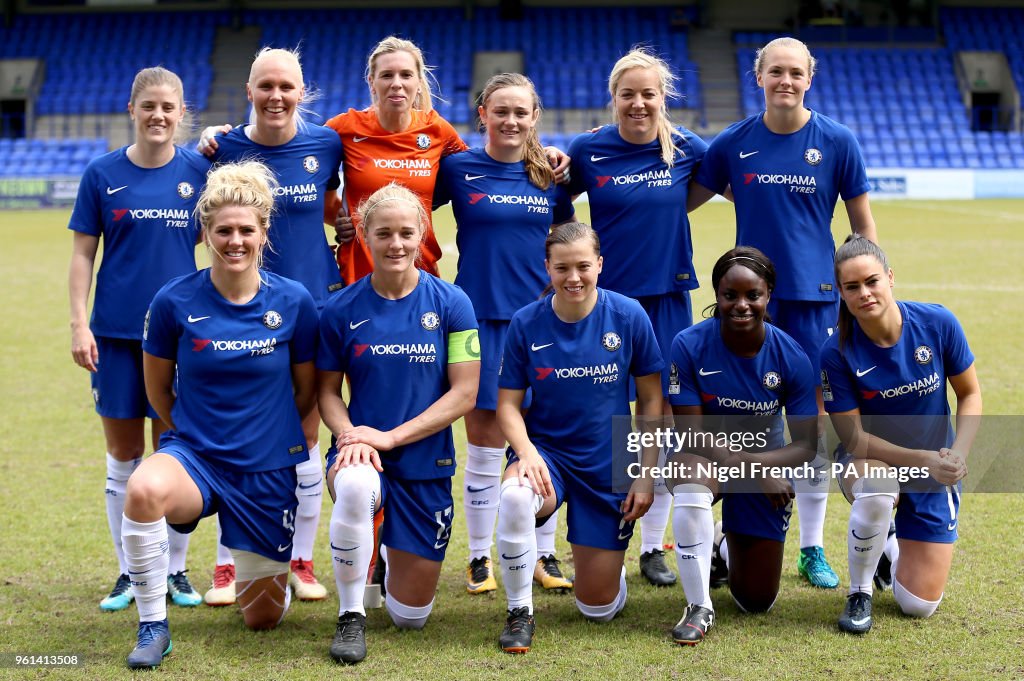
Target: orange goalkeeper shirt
pixel 374 156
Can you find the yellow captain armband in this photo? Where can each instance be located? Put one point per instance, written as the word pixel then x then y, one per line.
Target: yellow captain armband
pixel 464 346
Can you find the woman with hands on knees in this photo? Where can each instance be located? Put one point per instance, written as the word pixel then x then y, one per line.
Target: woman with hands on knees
pixel 407 343
pixel 575 349
pixel 884 379
pixel 732 375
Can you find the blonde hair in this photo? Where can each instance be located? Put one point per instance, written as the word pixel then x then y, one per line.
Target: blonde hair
pixel 247 184
pixel 792 43
pixel 640 58
pixel 155 76
pixel 294 56
pixel 424 99
pixel 534 159
pixel 390 193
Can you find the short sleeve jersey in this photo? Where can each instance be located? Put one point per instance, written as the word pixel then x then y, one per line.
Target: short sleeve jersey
pixel 579 373
pixel 904 381
pixel 503 221
pixel 235 403
pixel 785 189
pixel 706 374
pixel 374 157
pixel 306 168
pixel 395 355
pixel 638 208
pixel 144 217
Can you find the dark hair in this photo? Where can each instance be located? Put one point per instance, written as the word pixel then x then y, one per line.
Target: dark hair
pixel 854 247
pixel 743 256
pixel 567 233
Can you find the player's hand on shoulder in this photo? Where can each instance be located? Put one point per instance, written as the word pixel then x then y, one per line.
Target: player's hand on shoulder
pixel 207 144
pixel 83 348
pixel 365 435
pixel 559 163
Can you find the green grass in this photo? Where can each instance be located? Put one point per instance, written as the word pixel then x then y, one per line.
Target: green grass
pixel 56 561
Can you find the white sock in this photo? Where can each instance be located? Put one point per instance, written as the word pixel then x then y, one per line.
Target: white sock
pixel 654 522
pixel 407 616
pixel 912 605
pixel 224 556
pixel 480 502
pixel 517 542
pixel 178 551
pixel 812 499
pixel 892 551
pixel 694 528
pixel 869 526
pixel 357 490
pixel 118 473
pixel 723 551
pixel 310 492
pixel 145 553
pixel 546 535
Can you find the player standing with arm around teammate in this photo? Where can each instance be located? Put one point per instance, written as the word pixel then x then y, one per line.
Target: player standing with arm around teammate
pixel 575 349
pixel 884 380
pixel 637 176
pixel 305 159
pixel 505 200
pixel 139 199
pixel 407 343
pixel 786 167
pixel 229 367
pixel 739 367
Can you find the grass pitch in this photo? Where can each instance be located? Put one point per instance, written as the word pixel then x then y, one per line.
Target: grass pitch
pixel 57 561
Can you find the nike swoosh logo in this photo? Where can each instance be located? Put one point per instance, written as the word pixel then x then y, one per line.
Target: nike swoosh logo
pixel 861 621
pixel 339 548
pixel 535 347
pixel 281 549
pixel 624 537
pixel 595 159
pixel 356 325
pixel 114 191
pixel 357 140
pixel 193 320
pixel 474 490
pixel 470 178
pixel 680 546
pixel 951 527
pixel 865 372
pixel 708 373
pixel 857 536
pixel 513 557
pixel 749 153
pixel 309 486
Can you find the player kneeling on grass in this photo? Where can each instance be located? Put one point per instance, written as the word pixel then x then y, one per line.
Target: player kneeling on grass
pixel 732 375
pixel 408 344
pixel 884 382
pixel 228 360
pixel 575 349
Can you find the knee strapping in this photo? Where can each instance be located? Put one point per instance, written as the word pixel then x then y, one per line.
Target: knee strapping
pixel 912 605
pixel 693 494
pixel 876 487
pixel 606 613
pixel 356 493
pixel 406 616
pixel 517 509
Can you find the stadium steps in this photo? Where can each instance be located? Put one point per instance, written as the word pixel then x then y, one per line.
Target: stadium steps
pixel 710 49
pixel 233 52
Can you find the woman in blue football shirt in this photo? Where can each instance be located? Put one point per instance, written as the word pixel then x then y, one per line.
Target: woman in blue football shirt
pixel 505 200
pixel 228 355
pixel 576 350
pixel 637 176
pixel 407 344
pixel 139 199
pixel 786 167
pixel 884 379
pixel 733 374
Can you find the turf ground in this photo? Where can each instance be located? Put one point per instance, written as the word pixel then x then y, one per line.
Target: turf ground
pixel 56 561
